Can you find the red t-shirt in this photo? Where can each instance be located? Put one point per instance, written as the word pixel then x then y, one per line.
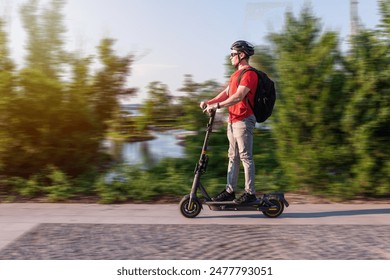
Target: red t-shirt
pixel 242 110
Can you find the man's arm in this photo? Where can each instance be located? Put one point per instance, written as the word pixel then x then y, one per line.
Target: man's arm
pixel 223 95
pixel 241 92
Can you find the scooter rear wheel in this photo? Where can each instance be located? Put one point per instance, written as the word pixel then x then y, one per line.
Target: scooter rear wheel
pixel 186 210
pixel 275 211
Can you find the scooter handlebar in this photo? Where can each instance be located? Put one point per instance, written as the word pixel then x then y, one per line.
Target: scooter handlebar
pixel 211 109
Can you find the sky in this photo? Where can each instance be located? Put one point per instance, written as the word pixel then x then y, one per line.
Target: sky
pixel 172 38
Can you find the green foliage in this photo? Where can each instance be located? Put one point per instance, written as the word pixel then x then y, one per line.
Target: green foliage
pixel 158 109
pixel 52 183
pixel 7 82
pixel 45 37
pixel 384 26
pixel 109 83
pixel 191 117
pixel 263 60
pixel 125 183
pixel 310 143
pixel 367 115
pixel 26 187
pixel 46 119
pixel 59 188
pixel 128 128
pixel 333 112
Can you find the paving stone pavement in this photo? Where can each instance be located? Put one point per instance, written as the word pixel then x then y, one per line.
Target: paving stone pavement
pixel 146 231
pixel 51 241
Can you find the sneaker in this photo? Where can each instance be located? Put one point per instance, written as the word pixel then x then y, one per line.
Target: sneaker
pixel 245 198
pixel 224 196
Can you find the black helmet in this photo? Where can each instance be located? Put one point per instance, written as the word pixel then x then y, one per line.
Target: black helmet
pixel 243 46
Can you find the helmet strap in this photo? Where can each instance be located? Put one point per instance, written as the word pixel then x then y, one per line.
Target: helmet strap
pixel 240 59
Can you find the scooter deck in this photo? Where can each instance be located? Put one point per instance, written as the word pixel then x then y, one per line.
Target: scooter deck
pixel 219 203
pixel 232 206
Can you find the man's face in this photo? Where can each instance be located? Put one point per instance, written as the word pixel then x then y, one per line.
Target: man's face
pixel 234 57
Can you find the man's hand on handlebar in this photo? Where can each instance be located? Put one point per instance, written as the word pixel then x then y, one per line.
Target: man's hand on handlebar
pixel 203 105
pixel 210 108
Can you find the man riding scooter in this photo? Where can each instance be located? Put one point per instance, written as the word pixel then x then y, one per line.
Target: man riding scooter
pixel 241 123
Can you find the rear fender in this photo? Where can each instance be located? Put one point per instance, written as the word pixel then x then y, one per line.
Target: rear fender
pixel 278 196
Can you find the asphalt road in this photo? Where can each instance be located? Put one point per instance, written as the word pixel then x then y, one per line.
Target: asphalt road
pixel 147 231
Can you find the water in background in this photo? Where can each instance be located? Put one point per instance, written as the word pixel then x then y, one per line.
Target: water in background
pixel 147 153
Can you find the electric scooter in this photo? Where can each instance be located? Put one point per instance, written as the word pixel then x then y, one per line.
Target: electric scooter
pixel 271 204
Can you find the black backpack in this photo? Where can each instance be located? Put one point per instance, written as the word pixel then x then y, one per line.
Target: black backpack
pixel 265 95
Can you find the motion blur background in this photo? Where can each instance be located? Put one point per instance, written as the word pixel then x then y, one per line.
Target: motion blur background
pixel 99 99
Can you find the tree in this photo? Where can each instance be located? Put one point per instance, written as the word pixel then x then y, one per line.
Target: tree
pixel 306 124
pixel 7 90
pixel 264 60
pixel 59 110
pixel 367 115
pixel 36 106
pixel 110 82
pixel 159 109
pixel 192 117
pixel 384 27
pixel 45 32
pixel 79 133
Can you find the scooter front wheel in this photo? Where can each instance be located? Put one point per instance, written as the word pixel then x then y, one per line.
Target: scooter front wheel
pixel 190 211
pixel 276 211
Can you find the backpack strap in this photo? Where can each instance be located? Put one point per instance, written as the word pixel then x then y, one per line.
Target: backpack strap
pixel 239 80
